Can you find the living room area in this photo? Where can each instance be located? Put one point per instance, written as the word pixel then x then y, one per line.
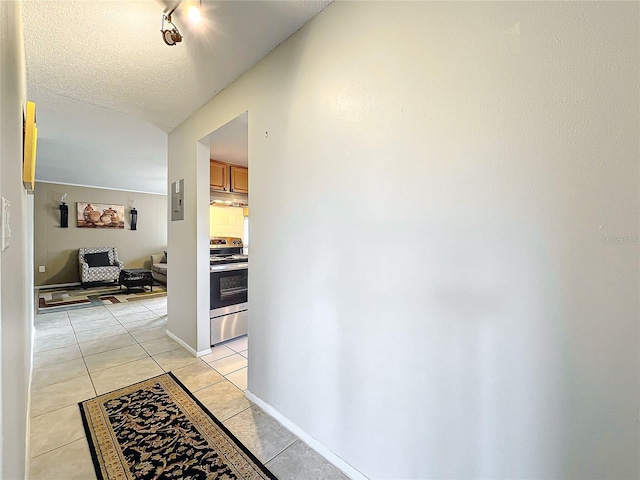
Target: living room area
pixel 57 272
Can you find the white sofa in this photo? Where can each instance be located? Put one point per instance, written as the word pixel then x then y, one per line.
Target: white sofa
pixel 159 267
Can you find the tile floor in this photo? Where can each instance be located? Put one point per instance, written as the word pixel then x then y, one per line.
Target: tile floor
pixel 81 353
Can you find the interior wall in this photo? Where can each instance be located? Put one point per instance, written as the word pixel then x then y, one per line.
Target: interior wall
pixel 490 330
pixel 57 248
pixel 16 278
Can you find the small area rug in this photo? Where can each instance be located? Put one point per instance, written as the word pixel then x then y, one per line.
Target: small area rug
pixel 158 429
pixel 56 299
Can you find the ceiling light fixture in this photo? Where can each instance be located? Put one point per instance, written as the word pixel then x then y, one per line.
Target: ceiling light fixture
pixel 170 36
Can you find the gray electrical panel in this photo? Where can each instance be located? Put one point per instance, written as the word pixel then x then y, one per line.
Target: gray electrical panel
pixel 177 200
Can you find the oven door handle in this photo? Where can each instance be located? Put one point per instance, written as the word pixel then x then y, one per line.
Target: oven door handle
pixel 228 267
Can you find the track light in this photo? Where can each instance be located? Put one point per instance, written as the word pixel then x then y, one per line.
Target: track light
pixel 170 36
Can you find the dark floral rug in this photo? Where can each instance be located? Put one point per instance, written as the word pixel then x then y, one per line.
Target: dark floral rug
pixel 157 429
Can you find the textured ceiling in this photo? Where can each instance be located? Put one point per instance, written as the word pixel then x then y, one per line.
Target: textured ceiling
pixel 108 89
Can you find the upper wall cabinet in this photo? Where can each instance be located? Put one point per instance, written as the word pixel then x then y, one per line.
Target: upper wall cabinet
pixel 224 177
pixel 239 179
pixel 218 176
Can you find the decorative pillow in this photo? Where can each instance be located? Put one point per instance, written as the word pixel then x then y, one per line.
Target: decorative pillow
pixel 97 259
pixel 164 257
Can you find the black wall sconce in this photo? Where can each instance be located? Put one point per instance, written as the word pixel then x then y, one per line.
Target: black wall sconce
pixel 134 217
pixel 64 213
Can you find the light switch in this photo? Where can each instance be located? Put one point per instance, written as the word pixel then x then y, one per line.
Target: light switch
pixel 42 269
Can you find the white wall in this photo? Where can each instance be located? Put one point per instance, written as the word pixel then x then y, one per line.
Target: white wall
pixel 499 339
pixel 16 279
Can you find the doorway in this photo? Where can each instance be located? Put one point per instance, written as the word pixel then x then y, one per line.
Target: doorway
pixel 228 227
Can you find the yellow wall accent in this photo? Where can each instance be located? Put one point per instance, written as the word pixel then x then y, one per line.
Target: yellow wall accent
pixel 30 142
pixel 226 221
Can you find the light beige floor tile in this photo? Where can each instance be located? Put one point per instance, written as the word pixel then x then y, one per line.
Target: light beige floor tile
pixel 55 429
pixel 217 352
pixel 49 331
pixel 260 433
pixel 71 462
pixel 230 364
pixel 160 310
pixel 87 314
pixel 244 353
pixel 106 344
pixel 63 354
pixel 58 395
pixel 95 324
pixel 49 319
pixel 149 334
pixel 100 333
pixel 136 316
pixel 124 375
pixel 238 378
pixel 145 324
pixel 174 359
pixel 239 344
pixel 55 372
pixel 197 376
pixel 160 302
pixel 113 358
pixel 53 341
pixel 299 462
pixel 125 308
pixel 160 345
pixel 223 400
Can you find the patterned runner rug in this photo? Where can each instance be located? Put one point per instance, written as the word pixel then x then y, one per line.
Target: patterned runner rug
pixel 56 299
pixel 158 429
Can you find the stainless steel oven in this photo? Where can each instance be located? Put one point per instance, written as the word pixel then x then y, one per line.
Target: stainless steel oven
pixel 228 309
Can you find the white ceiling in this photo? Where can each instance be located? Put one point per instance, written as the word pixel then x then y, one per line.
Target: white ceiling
pixel 230 142
pixel 108 89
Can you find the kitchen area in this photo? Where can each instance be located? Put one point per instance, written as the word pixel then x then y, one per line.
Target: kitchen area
pixel 229 231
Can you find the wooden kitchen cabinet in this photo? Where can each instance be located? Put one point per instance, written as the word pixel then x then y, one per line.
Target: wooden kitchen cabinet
pixel 218 176
pixel 239 179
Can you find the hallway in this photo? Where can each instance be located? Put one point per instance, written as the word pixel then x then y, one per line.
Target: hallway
pixel 81 353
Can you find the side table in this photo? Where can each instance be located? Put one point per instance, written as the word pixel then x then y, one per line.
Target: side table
pixel 135 277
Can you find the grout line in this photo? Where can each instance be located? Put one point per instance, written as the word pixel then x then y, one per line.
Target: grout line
pixel 51 411
pixel 105 351
pixel 38 387
pixel 228 373
pixel 57 448
pixel 121 364
pixel 274 456
pixel 285 449
pixel 95 391
pixel 238 413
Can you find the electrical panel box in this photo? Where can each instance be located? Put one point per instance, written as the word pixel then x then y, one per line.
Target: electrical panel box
pixel 177 200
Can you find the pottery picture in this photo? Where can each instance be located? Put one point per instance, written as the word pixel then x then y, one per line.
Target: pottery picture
pixel 86 211
pixel 95 215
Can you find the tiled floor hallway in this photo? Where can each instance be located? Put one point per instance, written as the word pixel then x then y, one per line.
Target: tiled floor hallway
pixel 82 353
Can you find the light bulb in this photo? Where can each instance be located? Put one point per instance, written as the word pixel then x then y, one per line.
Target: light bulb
pixel 193 13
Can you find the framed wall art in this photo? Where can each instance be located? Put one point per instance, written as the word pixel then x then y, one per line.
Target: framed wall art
pixel 100 215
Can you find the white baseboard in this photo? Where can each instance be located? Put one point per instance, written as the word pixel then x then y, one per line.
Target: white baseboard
pixel 184 345
pixel 331 457
pixel 57 285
